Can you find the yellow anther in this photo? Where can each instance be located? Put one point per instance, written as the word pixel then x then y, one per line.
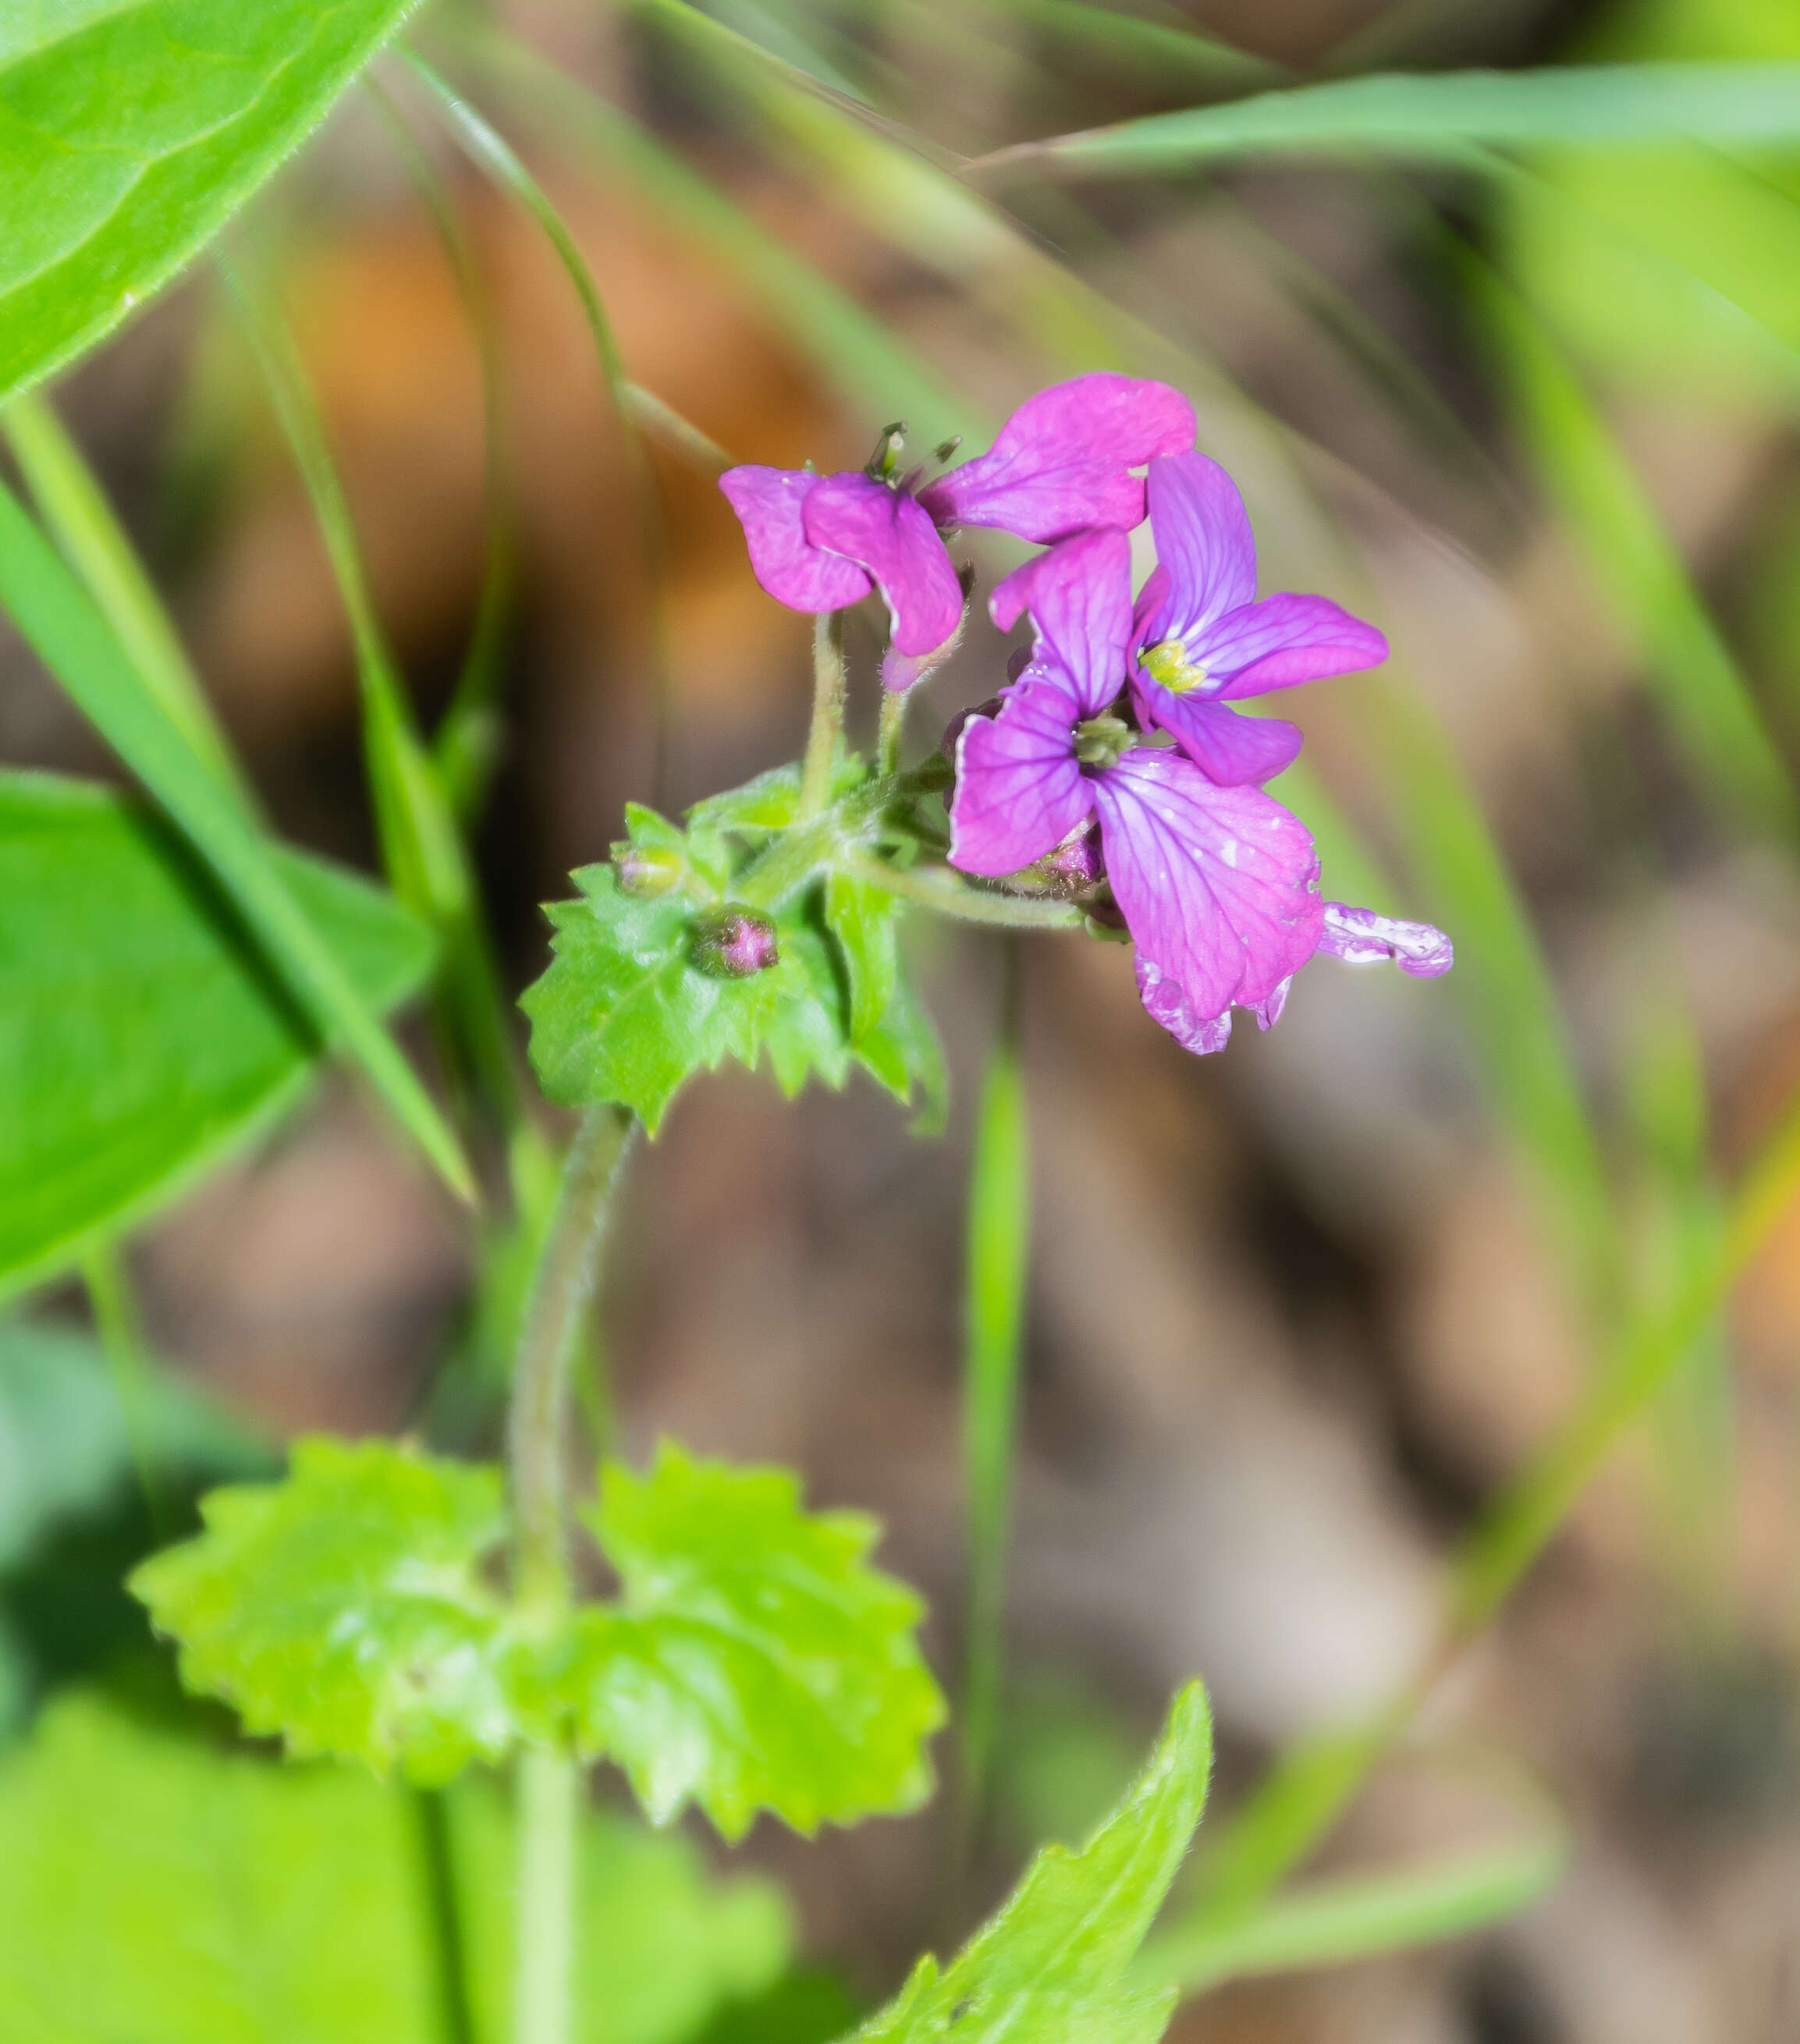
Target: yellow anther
pixel 1167 663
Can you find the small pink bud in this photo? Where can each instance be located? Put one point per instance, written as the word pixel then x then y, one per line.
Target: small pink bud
pixel 737 943
pixel 648 869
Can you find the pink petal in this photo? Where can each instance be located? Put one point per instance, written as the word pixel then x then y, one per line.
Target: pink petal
pixel 1019 792
pixel 1227 744
pixel 1206 552
pixel 1216 884
pixel 1062 462
pixel 1281 641
pixel 1079 597
pixel 1165 1002
pixel 1361 937
pixel 770 503
pixel 885 532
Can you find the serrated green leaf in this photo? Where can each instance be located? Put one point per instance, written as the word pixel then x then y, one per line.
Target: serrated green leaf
pixel 624 1013
pixel 902 1052
pixel 347 1610
pixel 141 1040
pixel 807 1033
pixel 105 193
pixel 862 917
pixel 1054 1966
pixel 770 802
pixel 756 1660
pixel 158 1890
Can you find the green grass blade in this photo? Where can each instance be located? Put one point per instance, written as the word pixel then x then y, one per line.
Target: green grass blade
pixel 68 634
pixel 1437 117
pixel 1172 55
pixel 422 847
pixel 1331 1922
pixel 73 507
pixel 1702 692
pixel 117 1322
pixel 998 1260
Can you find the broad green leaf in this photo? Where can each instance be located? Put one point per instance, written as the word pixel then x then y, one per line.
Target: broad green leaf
pixel 158 1890
pixel 347 1609
pixel 63 1447
pixel 141 1040
pixel 862 918
pixel 105 193
pixel 754 1659
pixel 65 629
pixel 1055 1965
pixel 1440 117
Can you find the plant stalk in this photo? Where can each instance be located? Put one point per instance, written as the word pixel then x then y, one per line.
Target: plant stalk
pixel 549 1782
pixel 892 720
pixel 827 712
pixel 999 1251
pixel 116 1321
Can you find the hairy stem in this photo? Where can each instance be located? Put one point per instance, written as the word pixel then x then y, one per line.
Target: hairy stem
pixel 893 719
pixel 549 1782
pixel 561 1290
pixel 999 1247
pixel 827 712
pixel 933 887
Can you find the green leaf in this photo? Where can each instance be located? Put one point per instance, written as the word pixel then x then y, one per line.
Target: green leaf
pixel 105 193
pixel 1055 1965
pixel 155 1889
pixel 756 1660
pixel 1440 117
pixel 862 918
pixel 67 632
pixel 625 1013
pixel 347 1609
pixel 141 1040
pixel 64 1451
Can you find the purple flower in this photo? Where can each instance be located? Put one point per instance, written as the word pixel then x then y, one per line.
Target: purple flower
pixel 1061 464
pixel 1203 641
pixel 1217 882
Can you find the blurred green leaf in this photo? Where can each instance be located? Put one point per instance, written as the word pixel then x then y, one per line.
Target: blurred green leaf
pixel 347 1610
pixel 1330 1922
pixel 1055 1965
pixel 60 621
pixel 754 1659
pixel 105 193
pixel 862 918
pixel 141 1038
pixel 155 1889
pixel 1439 116
pixel 63 1446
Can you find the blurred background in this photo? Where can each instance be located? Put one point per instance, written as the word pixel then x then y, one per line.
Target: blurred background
pixel 1296 1310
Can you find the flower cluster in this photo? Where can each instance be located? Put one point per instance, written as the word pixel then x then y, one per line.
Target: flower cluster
pixel 1112 766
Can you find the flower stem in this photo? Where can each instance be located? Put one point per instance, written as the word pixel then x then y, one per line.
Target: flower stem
pixel 932 888
pixel 893 717
pixel 547 1785
pixel 999 1249
pixel 827 712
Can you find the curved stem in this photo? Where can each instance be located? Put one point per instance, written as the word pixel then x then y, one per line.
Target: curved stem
pixel 827 712
pixel 931 887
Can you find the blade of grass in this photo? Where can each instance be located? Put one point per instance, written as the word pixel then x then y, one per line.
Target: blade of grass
pixel 467 743
pixel 1361 1916
pixel 1435 118
pixel 998 1260
pixel 121 1329
pixel 61 623
pixel 73 507
pixel 1302 1797
pixel 422 847
pixel 1170 53
pixel 1701 690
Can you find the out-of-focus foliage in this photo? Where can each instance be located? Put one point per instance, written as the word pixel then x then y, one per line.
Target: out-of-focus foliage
pixel 138 179
pixel 160 1889
pixel 143 1039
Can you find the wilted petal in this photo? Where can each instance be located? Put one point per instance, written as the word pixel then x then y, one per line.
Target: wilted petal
pixel 1079 597
pixel 1205 553
pixel 770 503
pixel 1165 1002
pixel 1229 746
pixel 1019 792
pixel 1281 641
pixel 1361 937
pixel 1217 884
pixel 885 532
pixel 1062 462
pixel 1268 1013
